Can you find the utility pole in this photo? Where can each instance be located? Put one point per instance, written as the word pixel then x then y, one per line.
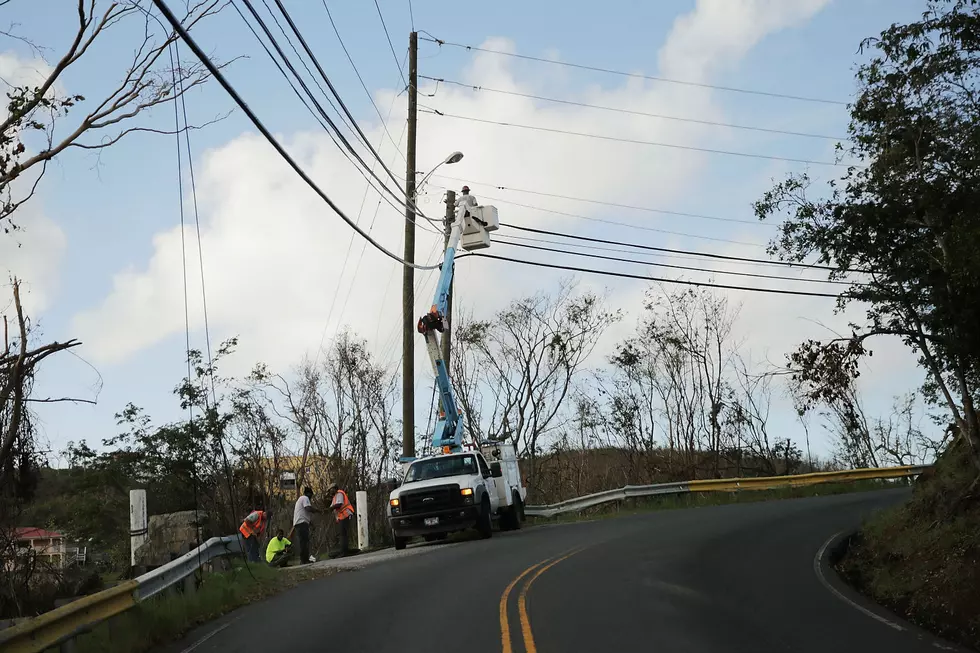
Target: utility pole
pixel 450 218
pixel 408 273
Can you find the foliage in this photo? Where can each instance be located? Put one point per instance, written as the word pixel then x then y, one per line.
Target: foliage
pixel 902 222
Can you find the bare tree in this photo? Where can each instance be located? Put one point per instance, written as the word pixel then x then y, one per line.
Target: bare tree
pixel 18 363
pixel 38 125
pixel 524 363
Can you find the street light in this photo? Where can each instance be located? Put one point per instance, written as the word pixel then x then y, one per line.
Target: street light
pixel 455 157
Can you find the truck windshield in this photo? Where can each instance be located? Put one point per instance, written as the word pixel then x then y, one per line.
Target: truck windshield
pixel 441 467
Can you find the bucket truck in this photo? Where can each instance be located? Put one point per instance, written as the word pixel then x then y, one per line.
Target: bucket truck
pixel 458 485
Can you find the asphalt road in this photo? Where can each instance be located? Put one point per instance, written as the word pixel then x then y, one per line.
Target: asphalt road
pixel 736 578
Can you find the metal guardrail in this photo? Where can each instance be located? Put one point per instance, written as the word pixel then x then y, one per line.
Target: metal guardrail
pixel 64 624
pixel 723 485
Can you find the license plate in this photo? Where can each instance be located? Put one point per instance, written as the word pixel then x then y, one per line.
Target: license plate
pixel 431 521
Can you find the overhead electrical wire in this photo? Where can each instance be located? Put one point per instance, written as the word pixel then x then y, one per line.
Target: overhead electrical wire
pixel 350 124
pixel 390 44
pixel 633 112
pixel 601 202
pixel 725 257
pixel 623 224
pixel 623 275
pixel 340 100
pixel 397 196
pixel 671 266
pixel 223 82
pixel 384 122
pixel 700 258
pixel 634 141
pixel 667 80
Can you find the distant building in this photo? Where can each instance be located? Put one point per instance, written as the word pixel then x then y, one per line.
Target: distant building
pixel 50 546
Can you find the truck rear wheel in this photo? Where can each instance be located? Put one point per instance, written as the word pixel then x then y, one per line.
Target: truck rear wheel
pixel 512 517
pixel 485 523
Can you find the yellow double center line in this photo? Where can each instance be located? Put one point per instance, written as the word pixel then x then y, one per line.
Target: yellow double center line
pixel 538 569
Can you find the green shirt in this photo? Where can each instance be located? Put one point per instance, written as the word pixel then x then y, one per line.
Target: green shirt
pixel 275 546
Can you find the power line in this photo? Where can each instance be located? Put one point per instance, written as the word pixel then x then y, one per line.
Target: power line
pixel 350 245
pixel 411 14
pixel 670 266
pixel 700 258
pixel 220 78
pixel 652 78
pixel 623 275
pixel 333 90
pixel 323 113
pixel 626 224
pixel 631 111
pixel 600 202
pixel 812 266
pixel 635 141
pixel 384 123
pixel 390 45
pixel 361 166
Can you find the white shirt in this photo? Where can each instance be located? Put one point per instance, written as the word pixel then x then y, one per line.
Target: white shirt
pixel 466 200
pixel 301 512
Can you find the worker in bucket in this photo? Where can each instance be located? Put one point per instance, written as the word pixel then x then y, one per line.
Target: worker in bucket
pixel 465 199
pixel 252 529
pixel 344 512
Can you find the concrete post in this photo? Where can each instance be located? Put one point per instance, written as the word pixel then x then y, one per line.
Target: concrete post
pixel 137 522
pixel 361 499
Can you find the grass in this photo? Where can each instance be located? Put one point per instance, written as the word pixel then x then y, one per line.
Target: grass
pixel 701 499
pixel 166 618
pixel 921 559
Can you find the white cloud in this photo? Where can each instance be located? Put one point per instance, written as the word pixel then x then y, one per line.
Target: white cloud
pixel 274 252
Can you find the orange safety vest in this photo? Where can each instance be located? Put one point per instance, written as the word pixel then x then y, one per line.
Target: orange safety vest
pixel 346 510
pixel 247 529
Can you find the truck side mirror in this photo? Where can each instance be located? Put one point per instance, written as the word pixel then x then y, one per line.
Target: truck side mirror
pixel 495 470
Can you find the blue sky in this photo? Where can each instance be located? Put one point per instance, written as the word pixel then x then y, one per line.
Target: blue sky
pixel 116 211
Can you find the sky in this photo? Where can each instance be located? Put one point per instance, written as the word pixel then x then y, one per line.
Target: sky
pixel 100 249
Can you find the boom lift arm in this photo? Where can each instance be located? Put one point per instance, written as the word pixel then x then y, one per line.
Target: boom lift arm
pixel 471 226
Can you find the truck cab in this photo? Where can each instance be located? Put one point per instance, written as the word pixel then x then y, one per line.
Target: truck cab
pixel 455 491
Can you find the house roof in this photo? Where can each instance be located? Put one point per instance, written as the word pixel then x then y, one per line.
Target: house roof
pixel 34 533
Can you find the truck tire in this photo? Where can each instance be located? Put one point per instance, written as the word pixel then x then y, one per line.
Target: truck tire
pixel 400 542
pixel 485 523
pixel 511 519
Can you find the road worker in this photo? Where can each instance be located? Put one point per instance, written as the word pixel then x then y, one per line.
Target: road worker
pixel 252 529
pixel 344 512
pixel 279 549
pixel 302 518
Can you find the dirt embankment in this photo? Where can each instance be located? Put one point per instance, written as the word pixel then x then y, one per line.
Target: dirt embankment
pixel 922 559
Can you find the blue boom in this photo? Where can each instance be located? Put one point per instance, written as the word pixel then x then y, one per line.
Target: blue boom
pixel 447 432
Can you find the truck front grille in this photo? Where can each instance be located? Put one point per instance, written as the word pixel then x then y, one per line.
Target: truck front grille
pixel 439 497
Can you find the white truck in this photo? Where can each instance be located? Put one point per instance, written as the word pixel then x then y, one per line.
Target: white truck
pixel 454 491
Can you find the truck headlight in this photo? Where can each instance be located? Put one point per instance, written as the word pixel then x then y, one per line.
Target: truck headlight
pixel 467 493
pixel 395 505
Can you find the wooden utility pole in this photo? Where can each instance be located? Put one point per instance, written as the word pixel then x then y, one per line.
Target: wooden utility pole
pixel 446 336
pixel 408 273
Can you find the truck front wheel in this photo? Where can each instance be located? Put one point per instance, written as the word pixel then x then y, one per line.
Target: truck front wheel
pixel 400 542
pixel 485 523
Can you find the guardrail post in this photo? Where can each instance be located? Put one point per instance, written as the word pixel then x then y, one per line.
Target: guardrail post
pixel 137 523
pixel 361 499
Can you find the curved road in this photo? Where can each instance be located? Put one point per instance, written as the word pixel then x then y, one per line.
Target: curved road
pixel 736 578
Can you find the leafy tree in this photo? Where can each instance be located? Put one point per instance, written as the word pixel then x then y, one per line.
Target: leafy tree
pixel 902 222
